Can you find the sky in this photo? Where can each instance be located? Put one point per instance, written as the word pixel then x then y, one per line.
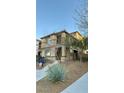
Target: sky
pixel 56 15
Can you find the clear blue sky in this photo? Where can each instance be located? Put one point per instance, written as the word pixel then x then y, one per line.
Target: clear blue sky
pixel 55 15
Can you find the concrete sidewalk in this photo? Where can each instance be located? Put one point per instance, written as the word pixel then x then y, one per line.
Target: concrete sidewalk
pixel 40 74
pixel 79 86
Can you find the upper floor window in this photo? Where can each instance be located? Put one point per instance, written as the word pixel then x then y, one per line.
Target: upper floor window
pixel 49 42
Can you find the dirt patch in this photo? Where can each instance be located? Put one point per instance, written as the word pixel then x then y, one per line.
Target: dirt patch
pixel 75 71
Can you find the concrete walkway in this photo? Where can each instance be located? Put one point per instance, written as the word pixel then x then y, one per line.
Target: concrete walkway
pixel 79 86
pixel 40 74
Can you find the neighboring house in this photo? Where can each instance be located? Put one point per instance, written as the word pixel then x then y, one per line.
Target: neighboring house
pixel 38 43
pixel 54 46
pixel 77 35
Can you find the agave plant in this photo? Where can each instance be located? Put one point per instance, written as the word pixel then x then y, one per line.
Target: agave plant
pixel 56 73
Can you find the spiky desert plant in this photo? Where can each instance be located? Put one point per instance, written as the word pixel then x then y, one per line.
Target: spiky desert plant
pixel 56 73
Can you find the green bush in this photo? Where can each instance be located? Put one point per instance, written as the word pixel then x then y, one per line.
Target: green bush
pixel 56 73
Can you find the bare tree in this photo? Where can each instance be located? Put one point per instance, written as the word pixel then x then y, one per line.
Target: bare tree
pixel 81 18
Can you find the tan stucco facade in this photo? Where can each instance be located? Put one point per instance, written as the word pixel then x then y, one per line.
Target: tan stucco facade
pixel 77 35
pixel 53 48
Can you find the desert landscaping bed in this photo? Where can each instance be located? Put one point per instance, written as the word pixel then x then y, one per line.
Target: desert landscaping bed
pixel 75 71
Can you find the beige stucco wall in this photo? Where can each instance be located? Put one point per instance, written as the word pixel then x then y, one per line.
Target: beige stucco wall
pixel 44 42
pixel 53 52
pixel 63 36
pixel 78 36
pixel 53 38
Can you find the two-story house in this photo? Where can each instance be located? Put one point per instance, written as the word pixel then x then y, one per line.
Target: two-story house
pixel 55 45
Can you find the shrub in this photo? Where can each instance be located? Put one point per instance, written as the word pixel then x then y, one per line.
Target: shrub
pixel 56 73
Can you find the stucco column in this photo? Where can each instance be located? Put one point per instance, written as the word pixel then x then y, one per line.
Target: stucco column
pixel 63 53
pixel 52 51
pixel 52 55
pixel 63 50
